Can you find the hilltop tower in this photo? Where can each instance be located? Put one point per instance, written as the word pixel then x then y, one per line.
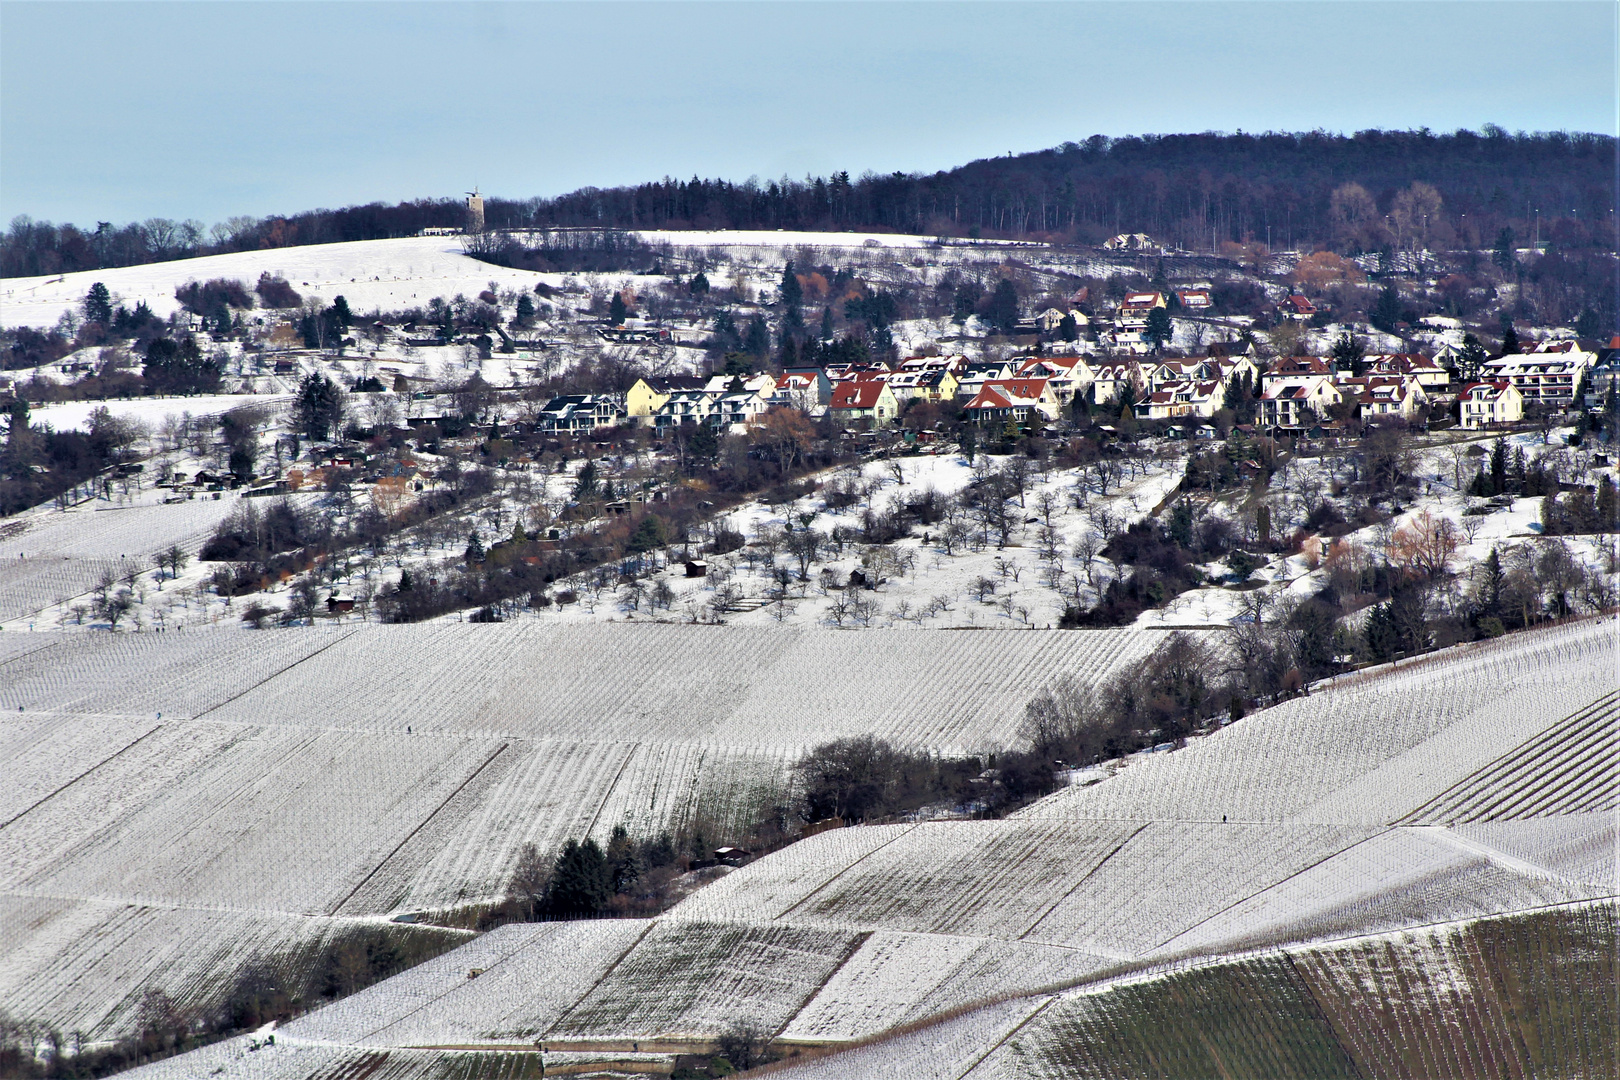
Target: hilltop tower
pixel 475 211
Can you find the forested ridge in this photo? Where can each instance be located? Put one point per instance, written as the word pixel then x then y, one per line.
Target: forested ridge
pixel 1190 191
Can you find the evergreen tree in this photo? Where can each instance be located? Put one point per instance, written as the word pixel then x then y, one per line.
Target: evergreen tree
pixel 699 284
pixel 98 305
pixel 1588 324
pixel 617 310
pixel 1492 581
pixel 585 482
pixel 1386 310
pixel 341 314
pixel 827 323
pixel 581 883
pixel 475 549
pixel 791 296
pixel 318 407
pixel 649 536
pixel 1502 255
pixel 1158 328
pixel 1470 357
pixel 525 310
pixel 1002 311
pixel 1510 337
pixel 1068 329
pixel 1499 466
pixel 704 445
pixel 1347 353
pixel 758 341
pixel 790 351
pixel 405 582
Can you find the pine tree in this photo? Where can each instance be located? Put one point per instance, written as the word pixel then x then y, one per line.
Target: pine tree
pixel 1003 309
pixel 1503 256
pixel 617 310
pixel 1499 466
pixel 318 408
pixel 475 548
pixel 1510 337
pixel 791 295
pixel 827 323
pixel 1158 328
pixel 1068 329
pixel 405 582
pixel 98 305
pixel 758 341
pixel 699 284
pixel 1347 352
pixel 585 482
pixel 1386 311
pixel 581 884
pixel 525 310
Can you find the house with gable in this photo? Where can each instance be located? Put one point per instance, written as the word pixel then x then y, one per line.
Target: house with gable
pixel 1019 400
pixel 1296 403
pixel 863 400
pixel 1490 404
pixel 1181 398
pixel 647 396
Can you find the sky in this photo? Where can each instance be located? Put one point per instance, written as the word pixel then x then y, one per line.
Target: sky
pixel 127 110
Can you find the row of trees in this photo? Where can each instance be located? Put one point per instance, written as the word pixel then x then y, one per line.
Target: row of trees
pixel 1184 188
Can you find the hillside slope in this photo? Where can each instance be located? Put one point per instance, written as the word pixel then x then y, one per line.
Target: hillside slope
pixel 1110 930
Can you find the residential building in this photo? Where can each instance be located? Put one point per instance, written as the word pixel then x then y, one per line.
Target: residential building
pixel 1181 398
pixel 1019 400
pixel 1133 311
pixel 1297 402
pixel 805 389
pixel 647 396
pixel 1546 376
pixel 1195 299
pixel 580 412
pixel 1296 308
pixel 864 400
pixel 1385 396
pixel 1487 404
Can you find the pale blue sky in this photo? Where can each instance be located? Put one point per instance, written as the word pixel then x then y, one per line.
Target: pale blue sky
pixel 120 111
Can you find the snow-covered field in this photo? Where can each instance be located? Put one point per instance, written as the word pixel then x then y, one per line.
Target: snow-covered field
pixel 369 274
pixel 360 771
pixel 71 415
pixel 1149 874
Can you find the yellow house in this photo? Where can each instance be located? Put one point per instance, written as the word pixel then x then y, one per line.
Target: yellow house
pixel 647 396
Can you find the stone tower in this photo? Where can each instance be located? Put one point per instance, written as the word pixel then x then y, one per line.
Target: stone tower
pixel 475 212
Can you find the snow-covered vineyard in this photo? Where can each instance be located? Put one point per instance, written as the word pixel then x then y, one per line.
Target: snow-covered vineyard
pixel 1356 883
pixel 364 772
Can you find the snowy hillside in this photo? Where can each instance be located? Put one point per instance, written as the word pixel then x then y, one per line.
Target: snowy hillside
pixel 1142 883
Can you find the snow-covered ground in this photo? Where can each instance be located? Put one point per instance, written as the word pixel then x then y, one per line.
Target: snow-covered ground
pixel 370 274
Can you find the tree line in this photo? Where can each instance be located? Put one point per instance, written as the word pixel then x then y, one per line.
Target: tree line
pixel 1194 190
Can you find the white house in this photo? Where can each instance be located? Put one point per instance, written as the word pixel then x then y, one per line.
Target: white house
pixel 1485 404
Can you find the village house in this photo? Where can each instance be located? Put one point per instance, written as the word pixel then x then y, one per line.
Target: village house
pixel 1430 375
pixel 1067 375
pixel 1488 404
pixel 1195 299
pixel 1013 399
pixel 1181 398
pixel 1133 311
pixel 805 389
pixel 575 413
pixel 1296 367
pixel 1298 402
pixel 974 376
pixel 1296 308
pixel 1384 396
pixel 1109 381
pixel 863 400
pixel 683 407
pixel 647 396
